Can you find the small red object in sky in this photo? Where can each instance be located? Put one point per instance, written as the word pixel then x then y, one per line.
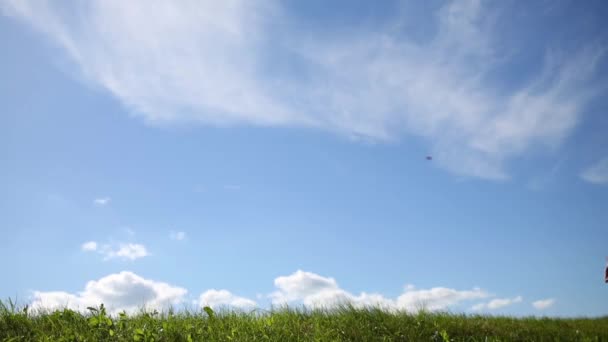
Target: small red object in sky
pixel 429 158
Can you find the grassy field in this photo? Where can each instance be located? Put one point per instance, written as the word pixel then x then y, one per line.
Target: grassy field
pixel 345 324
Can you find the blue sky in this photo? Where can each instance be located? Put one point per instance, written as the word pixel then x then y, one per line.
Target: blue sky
pixel 249 153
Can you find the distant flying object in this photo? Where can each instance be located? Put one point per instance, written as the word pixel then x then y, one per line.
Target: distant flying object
pixel 606 277
pixel 429 158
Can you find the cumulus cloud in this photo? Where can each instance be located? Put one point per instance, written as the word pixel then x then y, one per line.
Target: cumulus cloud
pixel 89 246
pixel 437 298
pixel 223 298
pixel 126 251
pixel 130 251
pixel 102 201
pixel 597 173
pixel 130 292
pixel 313 290
pixel 372 84
pixel 179 236
pixel 120 291
pixel 543 303
pixel 496 303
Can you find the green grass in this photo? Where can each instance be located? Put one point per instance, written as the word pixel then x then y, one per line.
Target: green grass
pixel 344 324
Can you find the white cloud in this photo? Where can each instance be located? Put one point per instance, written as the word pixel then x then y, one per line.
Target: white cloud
pixel 300 285
pixel 179 236
pixel 597 173
pixel 128 291
pixel 89 246
pixel 314 290
pixel 437 298
pixel 223 298
pixel 102 201
pixel 497 303
pixel 120 291
pixel 114 43
pixel 374 85
pixel 543 303
pixel 126 251
pixel 129 251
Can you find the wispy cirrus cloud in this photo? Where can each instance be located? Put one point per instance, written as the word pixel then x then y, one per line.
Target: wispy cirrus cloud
pixel 597 173
pixel 374 84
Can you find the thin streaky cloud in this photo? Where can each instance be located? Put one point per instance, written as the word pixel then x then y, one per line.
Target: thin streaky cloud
pixel 597 173
pixel 364 84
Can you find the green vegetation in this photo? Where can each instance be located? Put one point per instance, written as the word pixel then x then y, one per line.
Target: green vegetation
pixel 344 324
